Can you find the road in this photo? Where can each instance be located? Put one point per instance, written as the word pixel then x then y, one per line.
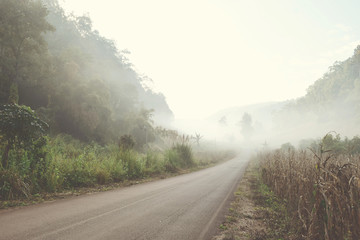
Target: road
pixel 189 206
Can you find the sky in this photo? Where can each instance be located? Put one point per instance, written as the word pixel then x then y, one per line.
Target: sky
pixel 205 56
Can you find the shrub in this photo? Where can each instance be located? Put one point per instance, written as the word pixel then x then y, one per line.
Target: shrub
pixel 154 163
pixel 19 127
pixel 171 163
pixel 12 186
pixel 62 162
pixel 127 142
pixel 185 154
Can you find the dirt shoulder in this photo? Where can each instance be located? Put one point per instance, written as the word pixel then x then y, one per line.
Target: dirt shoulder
pixel 255 213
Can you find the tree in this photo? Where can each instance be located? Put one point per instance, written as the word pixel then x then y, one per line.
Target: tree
pixel 287 147
pixel 197 138
pixel 331 102
pixel 247 129
pixel 127 142
pixel 22 23
pixel 19 126
pixel 73 77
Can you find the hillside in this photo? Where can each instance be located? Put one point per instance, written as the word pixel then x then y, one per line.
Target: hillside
pixel 332 103
pixel 75 79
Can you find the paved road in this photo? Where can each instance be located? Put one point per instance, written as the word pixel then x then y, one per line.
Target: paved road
pixel 189 206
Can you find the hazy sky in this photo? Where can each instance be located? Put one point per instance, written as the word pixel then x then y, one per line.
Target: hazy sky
pixel 209 55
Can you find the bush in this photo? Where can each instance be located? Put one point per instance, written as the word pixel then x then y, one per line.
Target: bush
pixel 61 162
pixel 20 128
pixel 179 156
pixel 12 186
pixel 172 160
pixel 154 163
pixel 185 154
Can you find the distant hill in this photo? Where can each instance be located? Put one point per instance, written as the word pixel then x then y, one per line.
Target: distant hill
pixel 332 103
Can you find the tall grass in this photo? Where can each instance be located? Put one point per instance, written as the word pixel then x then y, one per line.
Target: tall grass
pixel 322 190
pixel 179 156
pixel 66 163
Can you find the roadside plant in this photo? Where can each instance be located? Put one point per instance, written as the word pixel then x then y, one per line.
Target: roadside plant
pixel 321 188
pixel 21 127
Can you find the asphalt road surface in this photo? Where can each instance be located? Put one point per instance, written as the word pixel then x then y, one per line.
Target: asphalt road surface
pixel 190 206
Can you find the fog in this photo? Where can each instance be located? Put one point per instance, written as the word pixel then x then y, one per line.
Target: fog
pixel 273 125
pixel 205 56
pixel 200 58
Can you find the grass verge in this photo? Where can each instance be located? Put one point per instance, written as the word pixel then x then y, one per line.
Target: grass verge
pixel 202 160
pixel 256 213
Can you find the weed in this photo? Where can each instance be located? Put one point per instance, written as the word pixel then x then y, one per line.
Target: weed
pixel 60 163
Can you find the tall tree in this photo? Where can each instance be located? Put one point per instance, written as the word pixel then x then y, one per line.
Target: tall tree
pixel 22 46
pixel 247 129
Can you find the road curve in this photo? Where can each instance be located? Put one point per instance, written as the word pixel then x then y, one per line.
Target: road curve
pixel 189 206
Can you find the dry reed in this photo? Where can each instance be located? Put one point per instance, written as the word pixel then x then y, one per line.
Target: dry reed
pixel 321 191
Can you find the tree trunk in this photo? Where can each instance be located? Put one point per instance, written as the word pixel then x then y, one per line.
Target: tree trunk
pixel 5 157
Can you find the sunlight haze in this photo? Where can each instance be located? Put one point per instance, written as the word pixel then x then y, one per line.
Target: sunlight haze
pixel 209 55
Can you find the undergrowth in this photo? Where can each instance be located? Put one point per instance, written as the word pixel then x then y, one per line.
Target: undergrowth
pixel 63 163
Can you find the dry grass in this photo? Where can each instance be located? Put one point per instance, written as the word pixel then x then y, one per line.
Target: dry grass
pixel 321 191
pixel 256 213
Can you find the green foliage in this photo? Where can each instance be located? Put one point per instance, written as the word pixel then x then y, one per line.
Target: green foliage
pixel 70 163
pixel 332 102
pixel 127 142
pixel 21 127
pixel 103 93
pixel 19 124
pixel 154 163
pixel 133 164
pixel 179 156
pixel 26 170
pixel 12 185
pixel 14 94
pixel 334 144
pixel 62 162
pixel 22 46
pixel 72 76
pixel 85 89
pixel 287 147
pixel 185 154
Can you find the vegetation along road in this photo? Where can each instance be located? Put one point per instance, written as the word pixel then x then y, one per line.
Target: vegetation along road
pixel 189 206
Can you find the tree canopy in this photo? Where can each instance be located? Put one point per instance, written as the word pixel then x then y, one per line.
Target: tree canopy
pixel 74 78
pixel 331 103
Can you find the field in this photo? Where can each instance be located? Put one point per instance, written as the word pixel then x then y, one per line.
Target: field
pixel 321 187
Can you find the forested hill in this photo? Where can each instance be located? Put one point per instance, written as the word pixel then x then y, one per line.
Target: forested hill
pixel 74 78
pixel 332 103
